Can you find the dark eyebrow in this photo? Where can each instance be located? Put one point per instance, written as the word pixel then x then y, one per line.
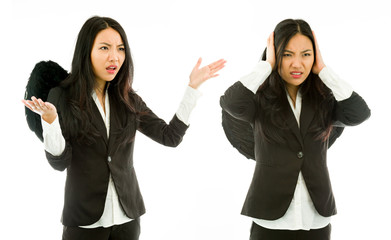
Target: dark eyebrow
pixel 308 50
pixel 104 43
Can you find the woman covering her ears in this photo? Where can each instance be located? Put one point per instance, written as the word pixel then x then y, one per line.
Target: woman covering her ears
pixel 296 106
pixel 89 124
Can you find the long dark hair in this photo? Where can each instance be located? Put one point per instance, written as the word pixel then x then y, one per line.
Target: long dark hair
pixel 81 82
pixel 271 95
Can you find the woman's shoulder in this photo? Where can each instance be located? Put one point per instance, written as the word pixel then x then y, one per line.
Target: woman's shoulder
pixel 136 99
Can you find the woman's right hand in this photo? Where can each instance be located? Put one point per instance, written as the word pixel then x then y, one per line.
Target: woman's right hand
pixel 270 51
pixel 47 110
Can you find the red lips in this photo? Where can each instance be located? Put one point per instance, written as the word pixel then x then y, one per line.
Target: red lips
pixel 296 74
pixel 111 69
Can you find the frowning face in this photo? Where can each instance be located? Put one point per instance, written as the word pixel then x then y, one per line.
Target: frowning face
pixel 107 55
pixel 297 61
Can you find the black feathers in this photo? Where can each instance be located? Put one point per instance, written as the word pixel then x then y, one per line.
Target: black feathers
pixel 45 76
pixel 240 134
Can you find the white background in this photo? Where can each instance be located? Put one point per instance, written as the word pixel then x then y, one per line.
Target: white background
pixel 196 191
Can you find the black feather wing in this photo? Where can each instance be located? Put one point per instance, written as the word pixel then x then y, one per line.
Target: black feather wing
pixel 240 134
pixel 45 76
pixel 336 132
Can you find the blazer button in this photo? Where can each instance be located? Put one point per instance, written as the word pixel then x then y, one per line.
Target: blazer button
pixel 300 154
pixel 109 159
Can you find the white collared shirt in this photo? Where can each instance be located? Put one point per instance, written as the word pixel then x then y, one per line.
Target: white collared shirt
pixel 301 214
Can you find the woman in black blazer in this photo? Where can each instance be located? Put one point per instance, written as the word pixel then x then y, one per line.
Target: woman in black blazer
pixel 93 135
pixel 295 105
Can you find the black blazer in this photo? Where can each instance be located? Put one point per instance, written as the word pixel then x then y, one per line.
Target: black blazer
pixel 278 165
pixel 89 166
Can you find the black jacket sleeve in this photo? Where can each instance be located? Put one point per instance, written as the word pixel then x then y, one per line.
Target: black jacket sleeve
pixel 157 129
pixel 351 111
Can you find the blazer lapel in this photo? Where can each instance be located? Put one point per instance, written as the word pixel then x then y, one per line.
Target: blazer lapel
pixel 98 122
pixel 115 126
pixel 306 116
pixel 291 121
pixel 118 118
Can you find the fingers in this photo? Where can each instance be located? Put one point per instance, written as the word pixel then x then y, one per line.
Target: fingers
pixel 270 52
pixel 199 75
pixel 318 61
pixel 215 75
pixel 27 104
pixel 36 105
pixel 316 42
pixel 216 64
pixel 270 40
pixel 198 64
pixel 215 67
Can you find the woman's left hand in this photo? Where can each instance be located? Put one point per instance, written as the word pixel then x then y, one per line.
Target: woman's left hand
pixel 318 63
pixel 199 75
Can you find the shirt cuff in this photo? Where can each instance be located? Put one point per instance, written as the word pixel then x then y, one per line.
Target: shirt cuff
pixel 187 104
pixel 340 88
pixel 259 74
pixel 53 140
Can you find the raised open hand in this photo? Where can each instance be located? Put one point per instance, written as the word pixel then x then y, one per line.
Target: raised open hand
pixel 200 75
pixel 318 63
pixel 47 110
